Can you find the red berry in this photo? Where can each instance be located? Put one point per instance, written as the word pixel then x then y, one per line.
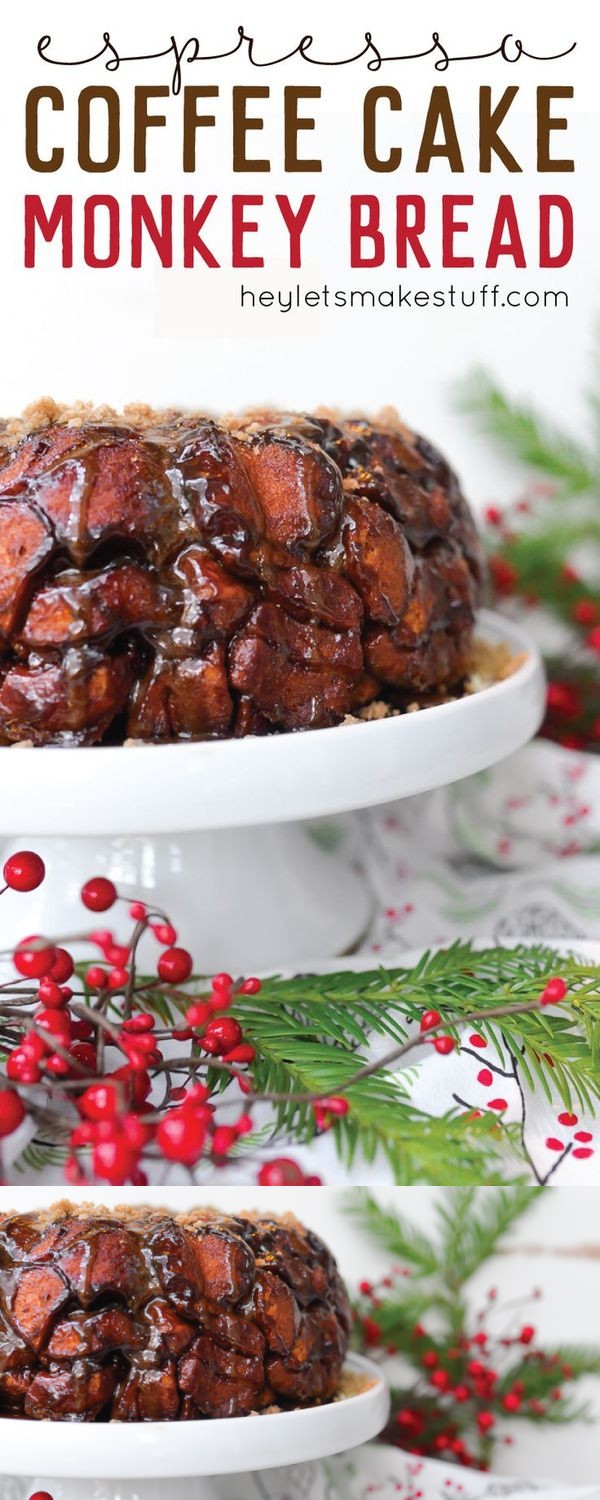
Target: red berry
pixel 222 982
pixel 444 1044
pixel 485 1420
pixel 583 1135
pixel 20 1068
pixel 24 871
pixel 142 1022
pixel 220 1000
pixel 282 1171
pixel 245 1053
pixel 164 933
pixel 567 1118
pixel 250 987
pixel 84 1053
pixel 135 1131
pixel 57 1065
pixel 96 977
pixel 51 994
pixel 527 1333
pixel 117 954
pixel 98 894
pixel 222 1033
pixel 182 1034
pixel 137 1084
pixel 100 1102
pixel 593 639
pixel 554 1144
pixel 198 1013
pixel 56 1023
pixel 498 1104
pixel 554 991
pixel 430 1359
pixel 41 1495
pixel 243 1125
pixel 585 612
pixel 563 699
pixel 583 1152
pixel 63 966
pixel 175 965
pixel 137 911
pixel 33 1047
pixel 180 1136
pixel 485 1077
pixel 224 1137
pixel 440 1379
pixel 477 1041
pixel 313 1180
pixel 504 577
pixel 429 1019
pixel 113 1159
pixel 101 937
pixel 12 1111
pixel 141 1044
pixel 118 979
pixel 34 962
pixel 331 1106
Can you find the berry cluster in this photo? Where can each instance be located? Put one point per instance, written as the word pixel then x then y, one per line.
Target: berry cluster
pixel 64 1037
pixel 524 567
pixel 462 1388
pixel 120 1090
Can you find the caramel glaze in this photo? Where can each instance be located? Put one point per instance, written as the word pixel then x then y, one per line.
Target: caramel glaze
pixel 157 1318
pixel 192 581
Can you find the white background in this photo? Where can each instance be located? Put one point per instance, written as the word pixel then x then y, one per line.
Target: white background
pixel 556 1248
pixel 177 337
pixel 174 336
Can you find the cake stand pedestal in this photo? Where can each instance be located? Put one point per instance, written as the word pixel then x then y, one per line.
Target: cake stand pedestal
pixel 152 1460
pixel 222 834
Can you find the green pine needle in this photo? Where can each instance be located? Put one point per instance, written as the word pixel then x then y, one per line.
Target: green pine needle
pixel 529 436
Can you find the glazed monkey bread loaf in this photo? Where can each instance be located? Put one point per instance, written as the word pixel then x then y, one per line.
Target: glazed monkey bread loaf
pixel 184 578
pixel 137 1315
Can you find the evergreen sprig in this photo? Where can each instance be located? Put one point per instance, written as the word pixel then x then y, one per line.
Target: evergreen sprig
pixel 313 1033
pixel 542 548
pixel 529 436
pixel 461 1372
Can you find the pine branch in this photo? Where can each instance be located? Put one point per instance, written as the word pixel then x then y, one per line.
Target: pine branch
pixel 312 1034
pixel 529 436
pixel 473 1224
pixel 396 1234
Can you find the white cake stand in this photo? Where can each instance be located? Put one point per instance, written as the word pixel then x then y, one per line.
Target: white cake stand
pixel 210 831
pixel 151 1460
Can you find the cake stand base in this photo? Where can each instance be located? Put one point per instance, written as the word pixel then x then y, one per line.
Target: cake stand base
pixel 180 1460
pixel 241 899
pixel 212 831
pixel 126 1489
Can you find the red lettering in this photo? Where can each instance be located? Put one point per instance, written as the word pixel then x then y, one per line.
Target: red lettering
pixel 365 229
pixel 61 217
pixel 408 236
pixel 452 227
pixel 193 244
pixel 562 256
pixel 240 227
pixel 294 223
pixel 161 234
pixel 506 218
